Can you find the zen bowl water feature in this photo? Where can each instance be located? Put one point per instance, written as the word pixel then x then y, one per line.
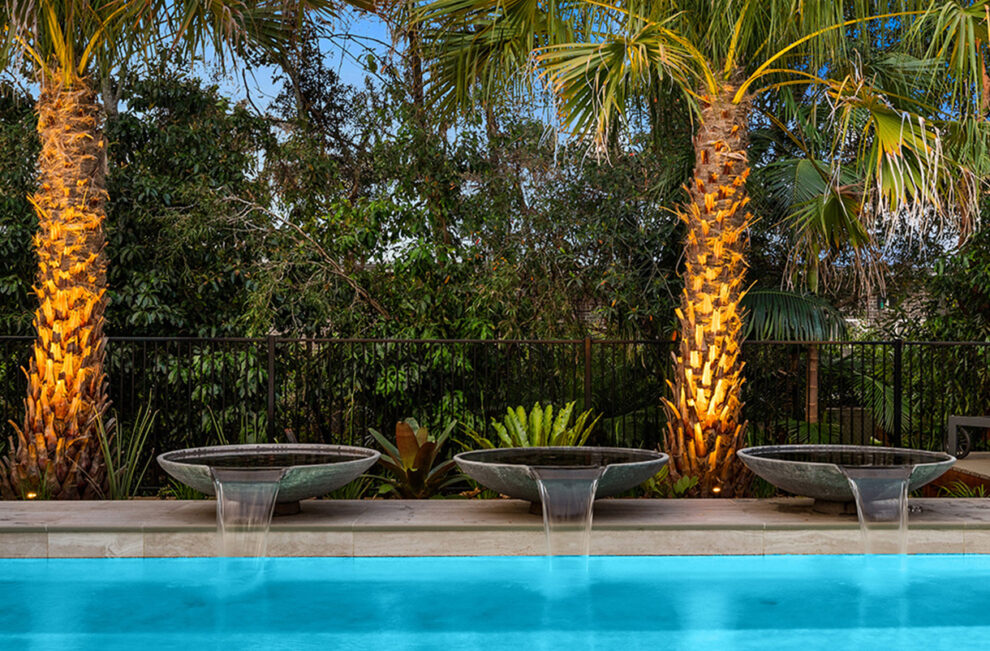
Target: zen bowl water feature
pixel 507 470
pixel 310 470
pixel 816 470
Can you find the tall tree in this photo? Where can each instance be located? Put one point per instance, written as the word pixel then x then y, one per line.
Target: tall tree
pixel 721 56
pixel 68 46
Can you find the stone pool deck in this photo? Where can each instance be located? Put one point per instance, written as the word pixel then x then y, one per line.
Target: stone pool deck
pixel 156 528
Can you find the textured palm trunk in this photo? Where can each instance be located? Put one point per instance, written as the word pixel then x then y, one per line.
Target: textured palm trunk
pixel 704 411
pixel 57 452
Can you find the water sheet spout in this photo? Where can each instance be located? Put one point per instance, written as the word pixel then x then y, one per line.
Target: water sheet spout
pixel 245 503
pixel 568 496
pixel 881 504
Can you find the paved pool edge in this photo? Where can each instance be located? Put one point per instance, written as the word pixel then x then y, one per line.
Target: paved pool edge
pixel 627 527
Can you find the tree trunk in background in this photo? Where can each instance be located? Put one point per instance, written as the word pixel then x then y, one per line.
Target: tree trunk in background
pixel 704 429
pixel 434 193
pixel 416 74
pixel 57 453
pixel 811 395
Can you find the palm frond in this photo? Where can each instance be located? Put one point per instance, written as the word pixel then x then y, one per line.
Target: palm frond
pixel 955 35
pixel 774 314
pixel 485 47
pixel 76 36
pixel 596 82
pixel 877 394
pixel 908 178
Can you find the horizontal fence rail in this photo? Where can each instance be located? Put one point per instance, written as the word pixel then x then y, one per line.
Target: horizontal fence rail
pixel 254 390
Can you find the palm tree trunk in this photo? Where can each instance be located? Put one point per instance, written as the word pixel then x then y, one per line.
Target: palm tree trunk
pixel 703 426
pixel 57 452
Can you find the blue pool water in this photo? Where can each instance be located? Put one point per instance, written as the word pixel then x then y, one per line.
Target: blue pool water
pixel 520 604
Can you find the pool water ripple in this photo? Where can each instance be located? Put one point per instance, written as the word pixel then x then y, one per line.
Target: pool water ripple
pixel 626 603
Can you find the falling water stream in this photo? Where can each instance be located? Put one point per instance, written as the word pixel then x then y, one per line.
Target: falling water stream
pixel 568 494
pixel 245 503
pixel 881 504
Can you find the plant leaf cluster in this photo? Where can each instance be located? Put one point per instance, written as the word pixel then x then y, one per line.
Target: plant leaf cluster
pixel 540 427
pixel 412 460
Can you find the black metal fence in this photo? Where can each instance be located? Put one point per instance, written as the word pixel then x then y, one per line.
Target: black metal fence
pixel 897 393
pixel 333 390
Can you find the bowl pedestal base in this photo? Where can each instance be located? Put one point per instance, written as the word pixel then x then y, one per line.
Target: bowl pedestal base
pixel 287 508
pixel 831 507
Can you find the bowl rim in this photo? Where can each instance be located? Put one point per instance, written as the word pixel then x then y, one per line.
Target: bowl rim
pixel 753 452
pixel 650 456
pixel 180 456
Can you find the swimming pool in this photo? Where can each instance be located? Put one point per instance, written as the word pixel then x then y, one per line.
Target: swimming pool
pixel 516 603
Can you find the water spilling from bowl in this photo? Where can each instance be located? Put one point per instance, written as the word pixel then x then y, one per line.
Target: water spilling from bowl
pixel 245 505
pixel 567 495
pixel 253 482
pixel 877 479
pixel 562 483
pixel 881 494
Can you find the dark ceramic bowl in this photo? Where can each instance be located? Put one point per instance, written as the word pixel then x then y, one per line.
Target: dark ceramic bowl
pixel 506 470
pixel 311 470
pixel 813 470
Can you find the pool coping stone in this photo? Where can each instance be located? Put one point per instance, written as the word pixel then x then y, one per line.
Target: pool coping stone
pixel 173 528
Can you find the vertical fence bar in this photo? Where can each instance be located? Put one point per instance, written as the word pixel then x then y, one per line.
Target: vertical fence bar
pixel 587 373
pixel 271 388
pixel 898 389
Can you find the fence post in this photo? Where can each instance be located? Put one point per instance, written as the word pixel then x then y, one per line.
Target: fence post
pixel 587 373
pixel 271 388
pixel 898 388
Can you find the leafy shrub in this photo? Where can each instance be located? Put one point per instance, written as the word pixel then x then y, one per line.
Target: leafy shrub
pixel 355 490
pixel 660 484
pixel 179 491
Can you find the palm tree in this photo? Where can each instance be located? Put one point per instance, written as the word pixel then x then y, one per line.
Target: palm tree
pixel 66 44
pixel 725 58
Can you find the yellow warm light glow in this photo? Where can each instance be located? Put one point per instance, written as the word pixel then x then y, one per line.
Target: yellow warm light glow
pixel 716 489
pixel 31 496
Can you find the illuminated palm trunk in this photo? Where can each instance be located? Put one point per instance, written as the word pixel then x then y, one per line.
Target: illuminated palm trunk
pixel 704 429
pixel 57 453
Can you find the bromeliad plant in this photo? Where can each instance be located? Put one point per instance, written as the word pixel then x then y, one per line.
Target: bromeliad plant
pixel 538 428
pixel 411 461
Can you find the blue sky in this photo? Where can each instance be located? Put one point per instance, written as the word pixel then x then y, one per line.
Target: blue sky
pixel 352 38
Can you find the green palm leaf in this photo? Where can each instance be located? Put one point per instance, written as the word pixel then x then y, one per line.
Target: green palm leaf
pixel 789 316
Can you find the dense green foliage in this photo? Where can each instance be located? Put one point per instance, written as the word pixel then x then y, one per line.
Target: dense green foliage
pixel 183 163
pixel 475 236
pixel 224 222
pixel 953 299
pixel 18 152
pixel 347 211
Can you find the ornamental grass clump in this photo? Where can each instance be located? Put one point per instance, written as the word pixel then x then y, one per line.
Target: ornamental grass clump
pixel 124 455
